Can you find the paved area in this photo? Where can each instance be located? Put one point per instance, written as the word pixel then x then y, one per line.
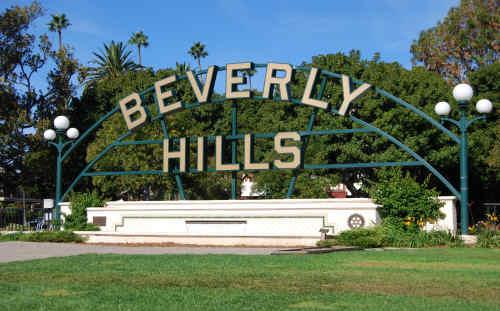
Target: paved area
pixel 15 251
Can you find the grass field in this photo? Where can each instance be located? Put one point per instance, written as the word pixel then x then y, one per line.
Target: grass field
pixel 423 279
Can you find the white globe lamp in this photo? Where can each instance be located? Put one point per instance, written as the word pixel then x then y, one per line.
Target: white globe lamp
pixel 442 109
pixel 49 134
pixel 72 133
pixel 61 123
pixel 463 92
pixel 484 106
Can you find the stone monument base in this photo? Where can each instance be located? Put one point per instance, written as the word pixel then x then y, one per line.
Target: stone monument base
pixel 287 222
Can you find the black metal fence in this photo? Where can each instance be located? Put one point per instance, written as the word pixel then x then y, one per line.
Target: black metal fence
pixel 25 219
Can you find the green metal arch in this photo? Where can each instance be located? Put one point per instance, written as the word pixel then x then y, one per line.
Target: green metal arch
pixel 324 74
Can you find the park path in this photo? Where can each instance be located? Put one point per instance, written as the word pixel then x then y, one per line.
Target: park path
pixel 16 251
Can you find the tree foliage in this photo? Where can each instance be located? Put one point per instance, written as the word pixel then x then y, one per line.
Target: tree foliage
pixel 111 62
pixel 403 199
pixel 198 51
pixel 57 24
pixel 139 39
pixel 465 40
pixel 27 110
pixel 417 86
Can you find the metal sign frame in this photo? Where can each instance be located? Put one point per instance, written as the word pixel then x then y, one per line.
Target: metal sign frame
pixel 66 148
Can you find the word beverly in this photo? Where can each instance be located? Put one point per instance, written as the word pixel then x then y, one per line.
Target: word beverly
pixel 135 114
pixel 277 75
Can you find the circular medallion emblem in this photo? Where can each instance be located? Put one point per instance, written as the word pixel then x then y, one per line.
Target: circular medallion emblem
pixel 355 221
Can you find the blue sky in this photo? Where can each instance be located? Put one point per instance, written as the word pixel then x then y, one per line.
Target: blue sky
pixel 237 30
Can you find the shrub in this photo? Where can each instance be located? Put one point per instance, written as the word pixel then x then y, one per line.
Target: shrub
pixel 44 236
pixel 326 243
pixel 488 239
pixel 79 204
pixel 417 239
pixel 362 237
pixel 10 236
pixel 402 199
pixel 392 236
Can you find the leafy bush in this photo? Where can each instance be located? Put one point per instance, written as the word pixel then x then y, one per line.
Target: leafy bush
pixel 488 239
pixel 43 236
pixel 362 237
pixel 418 239
pixel 78 218
pixel 402 199
pixel 326 243
pixel 10 236
pixel 392 236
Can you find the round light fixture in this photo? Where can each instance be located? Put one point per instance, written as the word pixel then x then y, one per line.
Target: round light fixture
pixel 442 108
pixel 463 92
pixel 484 106
pixel 61 123
pixel 49 134
pixel 72 133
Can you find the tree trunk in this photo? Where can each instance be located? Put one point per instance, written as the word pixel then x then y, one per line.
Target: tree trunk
pixel 60 39
pixel 139 52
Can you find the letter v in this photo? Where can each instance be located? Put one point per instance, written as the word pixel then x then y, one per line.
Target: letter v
pixel 208 88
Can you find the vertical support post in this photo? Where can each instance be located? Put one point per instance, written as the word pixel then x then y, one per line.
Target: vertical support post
pixel 234 127
pixel 56 220
pixel 464 170
pixel 180 188
pixel 310 125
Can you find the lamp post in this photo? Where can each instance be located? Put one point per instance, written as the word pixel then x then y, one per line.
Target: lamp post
pixel 463 94
pixel 57 138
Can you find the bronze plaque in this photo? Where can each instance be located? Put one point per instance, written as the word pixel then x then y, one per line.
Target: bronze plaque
pixel 99 221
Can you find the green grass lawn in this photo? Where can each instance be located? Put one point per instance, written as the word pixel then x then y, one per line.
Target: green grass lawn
pixel 422 279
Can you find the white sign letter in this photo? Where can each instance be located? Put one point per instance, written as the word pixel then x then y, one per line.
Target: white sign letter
pixel 272 80
pixel 249 165
pixel 127 112
pixel 161 96
pixel 208 88
pixel 306 98
pixel 294 150
pixel 218 158
pixel 233 80
pixel 181 155
pixel 348 96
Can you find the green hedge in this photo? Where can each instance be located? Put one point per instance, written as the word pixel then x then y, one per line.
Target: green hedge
pixel 43 236
pixel 383 236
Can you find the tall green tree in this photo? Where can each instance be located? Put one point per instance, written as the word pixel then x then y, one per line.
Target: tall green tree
pixel 111 62
pixel 27 109
pixel 22 57
pixel 198 51
pixel 465 40
pixel 139 39
pixel 57 24
pixel 417 86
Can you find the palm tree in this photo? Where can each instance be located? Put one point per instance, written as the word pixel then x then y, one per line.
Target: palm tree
pixel 113 61
pixel 139 39
pixel 181 68
pixel 198 52
pixel 57 24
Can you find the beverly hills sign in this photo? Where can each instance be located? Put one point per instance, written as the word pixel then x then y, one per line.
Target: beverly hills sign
pixel 277 76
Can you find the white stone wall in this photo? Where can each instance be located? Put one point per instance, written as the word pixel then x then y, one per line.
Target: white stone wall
pixel 284 222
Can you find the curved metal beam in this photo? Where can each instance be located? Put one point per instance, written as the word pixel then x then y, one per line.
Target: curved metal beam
pixel 325 73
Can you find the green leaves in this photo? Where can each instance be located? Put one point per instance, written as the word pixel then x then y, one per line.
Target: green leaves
pixel 466 39
pixel 401 197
